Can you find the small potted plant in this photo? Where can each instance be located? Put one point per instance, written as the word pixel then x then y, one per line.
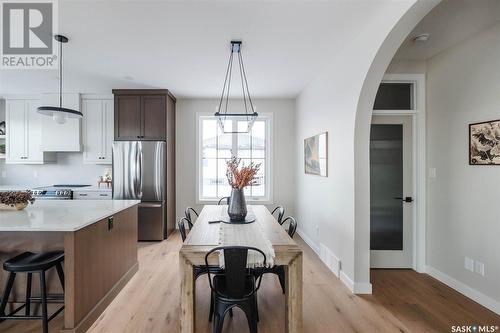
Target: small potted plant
pixel 15 200
pixel 239 178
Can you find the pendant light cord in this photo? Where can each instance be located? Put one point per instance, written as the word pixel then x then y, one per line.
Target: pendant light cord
pixel 221 113
pixel 229 66
pixel 243 85
pixel 60 73
pixel 246 83
pixel 227 85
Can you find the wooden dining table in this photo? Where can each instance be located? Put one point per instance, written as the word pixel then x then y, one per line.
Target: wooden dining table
pixel 204 236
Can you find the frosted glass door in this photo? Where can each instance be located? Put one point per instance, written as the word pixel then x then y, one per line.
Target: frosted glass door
pixel 391 191
pixel 386 184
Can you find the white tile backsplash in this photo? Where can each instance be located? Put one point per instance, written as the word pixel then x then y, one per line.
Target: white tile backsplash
pixel 68 169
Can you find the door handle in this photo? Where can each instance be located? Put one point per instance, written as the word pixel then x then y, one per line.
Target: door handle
pixel 150 205
pixel 405 199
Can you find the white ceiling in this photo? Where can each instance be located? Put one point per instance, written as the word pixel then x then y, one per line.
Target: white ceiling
pixel 184 45
pixel 450 22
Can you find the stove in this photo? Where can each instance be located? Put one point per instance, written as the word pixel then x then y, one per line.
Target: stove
pixel 55 192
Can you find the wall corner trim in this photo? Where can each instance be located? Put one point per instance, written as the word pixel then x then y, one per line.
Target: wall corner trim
pixel 362 288
pixel 347 281
pixel 464 289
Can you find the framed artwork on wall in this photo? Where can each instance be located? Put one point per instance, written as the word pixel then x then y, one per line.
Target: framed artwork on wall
pixel 484 143
pixel 316 155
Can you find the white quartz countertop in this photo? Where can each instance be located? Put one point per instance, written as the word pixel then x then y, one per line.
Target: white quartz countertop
pixel 61 215
pixel 15 187
pixel 93 188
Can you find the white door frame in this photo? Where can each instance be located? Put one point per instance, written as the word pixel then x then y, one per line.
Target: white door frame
pixel 419 161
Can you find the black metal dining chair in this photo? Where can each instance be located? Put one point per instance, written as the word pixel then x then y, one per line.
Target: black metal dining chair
pixel 292 226
pixel 237 286
pixel 182 227
pixel 279 270
pixel 187 214
pixel 281 213
pixel 198 270
pixel 221 201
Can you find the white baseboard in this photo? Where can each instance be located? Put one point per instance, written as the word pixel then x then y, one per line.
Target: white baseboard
pixel 464 289
pixel 347 281
pixel 308 241
pixel 333 263
pixel 362 288
pixel 330 259
pixel 356 287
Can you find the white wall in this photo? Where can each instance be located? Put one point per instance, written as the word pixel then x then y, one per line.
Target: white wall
pixel 283 150
pixel 463 87
pixel 328 207
pixel 69 169
pixel 407 67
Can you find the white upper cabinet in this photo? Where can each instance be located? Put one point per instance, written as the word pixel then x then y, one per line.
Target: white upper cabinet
pixel 23 132
pixel 61 137
pixel 98 127
pixel 16 129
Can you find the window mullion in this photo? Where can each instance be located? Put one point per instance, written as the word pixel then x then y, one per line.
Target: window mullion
pixel 234 142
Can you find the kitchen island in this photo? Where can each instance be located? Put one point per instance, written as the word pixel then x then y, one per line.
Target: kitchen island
pixel 99 238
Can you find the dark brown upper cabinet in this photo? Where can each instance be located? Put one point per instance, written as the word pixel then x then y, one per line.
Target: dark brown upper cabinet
pixel 127 117
pixel 143 114
pixel 154 117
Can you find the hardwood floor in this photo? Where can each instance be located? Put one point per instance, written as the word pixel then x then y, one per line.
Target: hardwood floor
pixel 424 304
pixel 403 301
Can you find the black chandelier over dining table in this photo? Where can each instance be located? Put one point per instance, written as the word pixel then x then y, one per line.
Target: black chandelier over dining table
pixel 222 110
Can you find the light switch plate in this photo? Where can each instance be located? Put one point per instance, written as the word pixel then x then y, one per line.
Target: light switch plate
pixel 479 268
pixel 469 264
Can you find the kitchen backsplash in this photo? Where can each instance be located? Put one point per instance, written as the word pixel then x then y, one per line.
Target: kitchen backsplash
pixel 68 169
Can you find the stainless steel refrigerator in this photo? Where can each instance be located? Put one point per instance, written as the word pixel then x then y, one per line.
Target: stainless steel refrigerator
pixel 139 172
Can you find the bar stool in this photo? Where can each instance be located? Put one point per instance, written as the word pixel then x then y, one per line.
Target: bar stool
pixel 29 263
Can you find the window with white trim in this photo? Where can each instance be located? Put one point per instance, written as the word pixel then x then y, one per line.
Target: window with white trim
pixel 216 147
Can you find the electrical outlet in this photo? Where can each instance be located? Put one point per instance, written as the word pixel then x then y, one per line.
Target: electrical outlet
pixel 479 268
pixel 35 174
pixel 469 264
pixel 317 230
pixel 4 173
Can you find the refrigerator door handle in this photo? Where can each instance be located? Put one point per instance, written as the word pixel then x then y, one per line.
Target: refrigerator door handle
pixel 150 205
pixel 158 171
pixel 139 170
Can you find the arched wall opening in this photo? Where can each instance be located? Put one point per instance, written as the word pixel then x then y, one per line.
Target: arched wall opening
pixel 362 137
pixel 334 211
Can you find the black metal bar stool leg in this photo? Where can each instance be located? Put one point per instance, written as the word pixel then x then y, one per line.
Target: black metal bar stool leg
pixel 28 293
pixel 43 292
pixel 6 293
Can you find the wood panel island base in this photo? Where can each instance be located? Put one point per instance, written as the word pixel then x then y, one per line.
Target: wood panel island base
pixel 99 239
